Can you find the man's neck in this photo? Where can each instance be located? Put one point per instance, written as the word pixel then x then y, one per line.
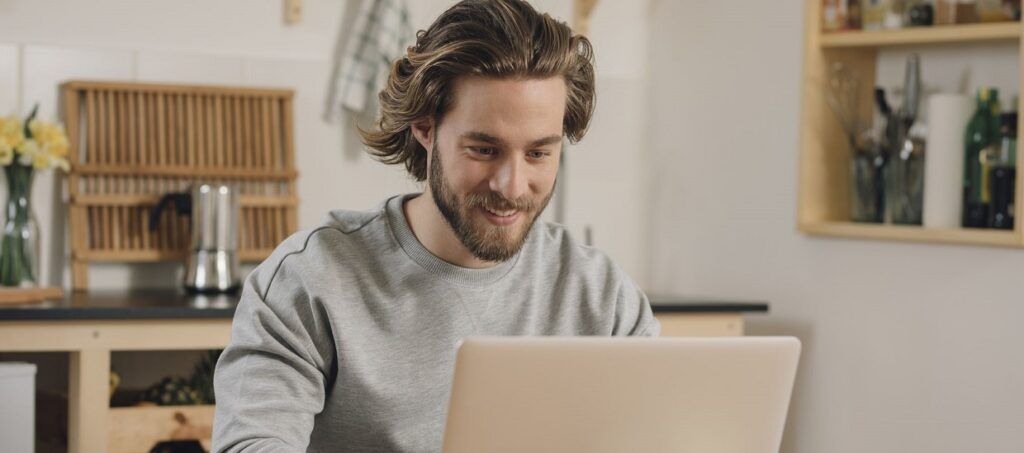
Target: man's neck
pixel 433 231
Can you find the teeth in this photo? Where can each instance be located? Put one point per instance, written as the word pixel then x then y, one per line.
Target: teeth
pixel 501 213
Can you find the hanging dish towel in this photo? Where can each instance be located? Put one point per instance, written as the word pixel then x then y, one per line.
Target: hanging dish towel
pixel 381 34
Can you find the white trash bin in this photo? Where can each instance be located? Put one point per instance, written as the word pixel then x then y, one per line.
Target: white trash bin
pixel 17 407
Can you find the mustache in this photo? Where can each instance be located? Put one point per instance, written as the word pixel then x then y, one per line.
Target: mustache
pixel 494 201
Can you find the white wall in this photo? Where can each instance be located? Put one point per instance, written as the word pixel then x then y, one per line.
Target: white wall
pixel 907 347
pixel 245 42
pixel 606 171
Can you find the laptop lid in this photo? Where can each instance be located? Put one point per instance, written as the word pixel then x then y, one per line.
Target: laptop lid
pixel 589 394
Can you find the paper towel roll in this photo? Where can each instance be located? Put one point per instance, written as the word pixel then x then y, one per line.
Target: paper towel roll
pixel 948 115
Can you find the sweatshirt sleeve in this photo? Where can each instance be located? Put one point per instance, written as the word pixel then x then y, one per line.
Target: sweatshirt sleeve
pixel 271 380
pixel 633 315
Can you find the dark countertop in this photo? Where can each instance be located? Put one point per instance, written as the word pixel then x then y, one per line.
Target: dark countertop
pixel 662 303
pixel 135 304
pixel 169 304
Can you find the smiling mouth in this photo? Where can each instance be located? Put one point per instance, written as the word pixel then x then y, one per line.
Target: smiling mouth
pixel 506 213
pixel 500 218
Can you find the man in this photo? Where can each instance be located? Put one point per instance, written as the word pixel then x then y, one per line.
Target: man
pixel 344 338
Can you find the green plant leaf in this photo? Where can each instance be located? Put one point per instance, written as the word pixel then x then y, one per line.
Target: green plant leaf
pixel 31 116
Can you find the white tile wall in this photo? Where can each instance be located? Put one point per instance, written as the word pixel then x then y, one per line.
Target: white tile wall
pixel 617 45
pixel 606 187
pixel 9 92
pixel 181 67
pixel 230 27
pixel 44 68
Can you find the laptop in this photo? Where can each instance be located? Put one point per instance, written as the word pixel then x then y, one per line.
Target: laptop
pixel 596 395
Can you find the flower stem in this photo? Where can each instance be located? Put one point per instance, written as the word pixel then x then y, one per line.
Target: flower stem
pixel 16 261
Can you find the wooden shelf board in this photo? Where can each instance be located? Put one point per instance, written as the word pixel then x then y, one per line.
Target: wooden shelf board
pixel 939 34
pixel 128 199
pixel 9 295
pixel 182 171
pixel 1002 238
pixel 153 256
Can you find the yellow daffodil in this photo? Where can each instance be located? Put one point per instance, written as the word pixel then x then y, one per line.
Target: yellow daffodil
pixel 29 153
pixel 50 136
pixel 40 157
pixel 46 145
pixel 32 154
pixel 61 163
pixel 11 135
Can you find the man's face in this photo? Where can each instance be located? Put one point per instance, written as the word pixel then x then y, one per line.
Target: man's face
pixel 494 160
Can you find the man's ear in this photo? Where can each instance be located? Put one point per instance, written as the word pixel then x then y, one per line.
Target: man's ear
pixel 424 130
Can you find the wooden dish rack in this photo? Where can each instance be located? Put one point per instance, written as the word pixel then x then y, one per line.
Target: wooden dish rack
pixel 131 143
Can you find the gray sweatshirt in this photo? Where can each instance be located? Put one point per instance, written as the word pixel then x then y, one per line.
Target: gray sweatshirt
pixel 344 338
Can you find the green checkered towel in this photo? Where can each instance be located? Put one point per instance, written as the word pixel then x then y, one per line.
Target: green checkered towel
pixel 381 34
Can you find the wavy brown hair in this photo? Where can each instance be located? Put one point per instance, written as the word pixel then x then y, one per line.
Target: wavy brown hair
pixel 490 38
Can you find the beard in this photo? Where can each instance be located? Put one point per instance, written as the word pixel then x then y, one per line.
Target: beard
pixel 486 241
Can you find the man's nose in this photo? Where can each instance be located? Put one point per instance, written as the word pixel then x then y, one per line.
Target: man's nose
pixel 510 179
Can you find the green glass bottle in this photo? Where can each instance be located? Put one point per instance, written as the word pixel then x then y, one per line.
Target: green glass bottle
pixel 982 132
pixel 1003 174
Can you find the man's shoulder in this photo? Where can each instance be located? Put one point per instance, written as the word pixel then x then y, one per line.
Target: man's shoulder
pixel 555 238
pixel 337 225
pixel 602 291
pixel 341 231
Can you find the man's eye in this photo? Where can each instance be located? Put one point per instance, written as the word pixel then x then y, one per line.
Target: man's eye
pixel 485 151
pixel 537 154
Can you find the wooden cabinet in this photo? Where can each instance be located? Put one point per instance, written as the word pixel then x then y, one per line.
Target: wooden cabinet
pixel 700 324
pixel 824 195
pixel 93 426
pixel 134 429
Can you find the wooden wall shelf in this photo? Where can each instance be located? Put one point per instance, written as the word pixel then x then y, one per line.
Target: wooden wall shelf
pixel 913 233
pixel 941 34
pixel 824 193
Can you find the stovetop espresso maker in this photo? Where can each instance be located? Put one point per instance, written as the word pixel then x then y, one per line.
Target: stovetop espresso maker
pixel 213 261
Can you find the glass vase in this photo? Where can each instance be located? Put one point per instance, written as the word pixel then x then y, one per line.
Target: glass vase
pixel 19 248
pixel 867 182
pixel 904 189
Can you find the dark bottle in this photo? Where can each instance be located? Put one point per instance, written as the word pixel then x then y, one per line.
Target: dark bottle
pixel 920 15
pixel 1003 174
pixel 982 132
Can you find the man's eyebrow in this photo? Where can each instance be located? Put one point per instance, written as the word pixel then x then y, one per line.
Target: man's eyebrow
pixel 483 137
pixel 546 141
pixel 488 138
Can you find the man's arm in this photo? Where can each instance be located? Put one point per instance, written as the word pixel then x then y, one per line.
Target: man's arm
pixel 270 381
pixel 633 315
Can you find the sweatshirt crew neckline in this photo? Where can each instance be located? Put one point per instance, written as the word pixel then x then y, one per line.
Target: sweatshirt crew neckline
pixel 464 276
